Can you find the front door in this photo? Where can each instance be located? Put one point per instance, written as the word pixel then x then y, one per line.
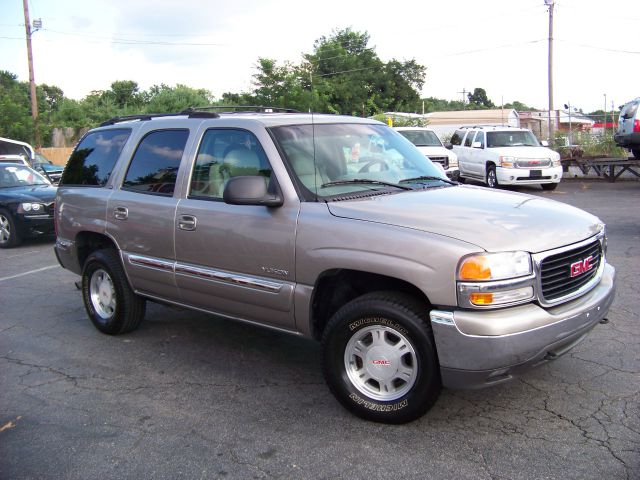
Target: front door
pixel 234 260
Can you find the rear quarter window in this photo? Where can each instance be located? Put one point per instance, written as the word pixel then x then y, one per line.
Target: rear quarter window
pixel 92 161
pixel 457 137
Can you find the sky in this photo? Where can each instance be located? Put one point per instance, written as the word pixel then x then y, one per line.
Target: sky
pixel 498 45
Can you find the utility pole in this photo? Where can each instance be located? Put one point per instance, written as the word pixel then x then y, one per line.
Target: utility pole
pixel 32 81
pixel 604 123
pixel 550 4
pixel 464 97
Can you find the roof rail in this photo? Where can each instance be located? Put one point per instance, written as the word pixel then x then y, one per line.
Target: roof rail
pixel 246 108
pixel 488 126
pixel 149 116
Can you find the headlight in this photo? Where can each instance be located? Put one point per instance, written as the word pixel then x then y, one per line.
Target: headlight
pixel 507 161
pixel 555 161
pixel 453 159
pixel 495 266
pixel 28 207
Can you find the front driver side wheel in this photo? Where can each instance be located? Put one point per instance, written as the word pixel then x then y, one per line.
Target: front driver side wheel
pixel 379 358
pixel 492 177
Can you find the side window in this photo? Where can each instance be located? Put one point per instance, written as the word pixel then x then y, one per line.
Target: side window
pixel 93 159
pixel 469 140
pixel 457 137
pixel 154 166
pixel 480 138
pixel 223 154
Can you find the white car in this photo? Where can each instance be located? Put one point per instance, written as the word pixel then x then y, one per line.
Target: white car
pixel 498 155
pixel 431 146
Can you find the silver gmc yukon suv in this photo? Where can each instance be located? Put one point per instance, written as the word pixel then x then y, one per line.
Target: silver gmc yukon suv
pixel 333 228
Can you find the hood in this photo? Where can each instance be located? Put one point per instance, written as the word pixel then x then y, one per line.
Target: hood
pixel 32 193
pixel 435 151
pixel 527 152
pixel 493 220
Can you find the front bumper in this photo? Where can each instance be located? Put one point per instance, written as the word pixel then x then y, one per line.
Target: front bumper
pixel 34 224
pixel 528 176
pixel 475 361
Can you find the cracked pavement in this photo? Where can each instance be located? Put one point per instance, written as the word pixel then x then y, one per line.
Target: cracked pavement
pixel 193 396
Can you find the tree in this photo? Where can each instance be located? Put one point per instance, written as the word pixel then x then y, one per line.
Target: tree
pixel 478 99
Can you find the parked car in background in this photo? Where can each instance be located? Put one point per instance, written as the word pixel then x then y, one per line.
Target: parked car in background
pixel 14 159
pixel 431 146
pixel 26 204
pixel 500 155
pixel 49 169
pixel 9 146
pixel 628 133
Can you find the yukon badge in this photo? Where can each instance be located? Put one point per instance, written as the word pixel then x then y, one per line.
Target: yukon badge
pixel 581 266
pixel 275 271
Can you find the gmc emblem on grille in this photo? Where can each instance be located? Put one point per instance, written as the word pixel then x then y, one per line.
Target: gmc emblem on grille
pixel 581 266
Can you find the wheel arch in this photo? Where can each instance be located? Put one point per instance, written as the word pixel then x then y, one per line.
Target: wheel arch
pixel 334 288
pixel 87 242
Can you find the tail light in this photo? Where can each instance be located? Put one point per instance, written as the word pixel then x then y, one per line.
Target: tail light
pixel 636 126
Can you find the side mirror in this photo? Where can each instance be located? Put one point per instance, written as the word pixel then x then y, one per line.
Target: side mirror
pixel 476 145
pixel 544 143
pixel 250 190
pixel 448 146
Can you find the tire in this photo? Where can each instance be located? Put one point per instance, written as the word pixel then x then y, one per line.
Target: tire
pixel 636 153
pixel 549 186
pixel 364 339
pixel 110 302
pixel 492 177
pixel 9 236
pixel 462 180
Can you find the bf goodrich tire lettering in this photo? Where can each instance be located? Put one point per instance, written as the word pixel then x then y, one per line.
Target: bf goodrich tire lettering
pixel 379 358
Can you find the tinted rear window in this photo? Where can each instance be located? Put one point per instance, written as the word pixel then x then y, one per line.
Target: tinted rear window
pixel 457 137
pixel 154 167
pixel 93 160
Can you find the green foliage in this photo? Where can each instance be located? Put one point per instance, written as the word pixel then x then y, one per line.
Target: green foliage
pixel 478 100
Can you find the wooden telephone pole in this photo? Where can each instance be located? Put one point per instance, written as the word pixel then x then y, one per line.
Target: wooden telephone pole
pixel 550 4
pixel 32 82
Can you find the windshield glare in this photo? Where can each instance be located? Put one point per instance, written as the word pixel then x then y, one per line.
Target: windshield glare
pixel 421 138
pixel 19 176
pixel 324 153
pixel 511 139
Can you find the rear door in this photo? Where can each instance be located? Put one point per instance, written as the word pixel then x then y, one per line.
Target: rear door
pixel 141 212
pixel 235 260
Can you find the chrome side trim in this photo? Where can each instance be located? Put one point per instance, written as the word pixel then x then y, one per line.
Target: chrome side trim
pixel 225 277
pixel 150 262
pixel 538 258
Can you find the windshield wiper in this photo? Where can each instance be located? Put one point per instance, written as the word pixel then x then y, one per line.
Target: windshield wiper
pixel 427 177
pixel 365 180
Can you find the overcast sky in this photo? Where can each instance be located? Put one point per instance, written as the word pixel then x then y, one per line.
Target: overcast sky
pixel 499 45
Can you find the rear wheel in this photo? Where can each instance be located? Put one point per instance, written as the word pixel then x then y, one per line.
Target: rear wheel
pixel 110 302
pixel 379 358
pixel 9 236
pixel 549 186
pixel 636 153
pixel 492 177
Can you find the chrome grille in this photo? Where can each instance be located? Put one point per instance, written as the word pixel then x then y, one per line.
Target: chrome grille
pixel 533 163
pixel 556 270
pixel 443 160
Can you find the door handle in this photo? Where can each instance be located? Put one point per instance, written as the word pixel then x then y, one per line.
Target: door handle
pixel 121 213
pixel 187 222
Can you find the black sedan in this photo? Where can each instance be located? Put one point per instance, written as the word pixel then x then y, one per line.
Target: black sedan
pixel 26 204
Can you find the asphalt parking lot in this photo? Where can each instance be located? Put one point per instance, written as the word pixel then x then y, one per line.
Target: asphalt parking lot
pixel 193 396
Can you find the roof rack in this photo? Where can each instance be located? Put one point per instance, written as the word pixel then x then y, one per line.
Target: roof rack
pixel 190 113
pixel 246 108
pixel 488 126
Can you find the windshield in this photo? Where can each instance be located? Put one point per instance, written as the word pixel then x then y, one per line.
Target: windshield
pixel 516 138
pixel 342 159
pixel 19 176
pixel 421 138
